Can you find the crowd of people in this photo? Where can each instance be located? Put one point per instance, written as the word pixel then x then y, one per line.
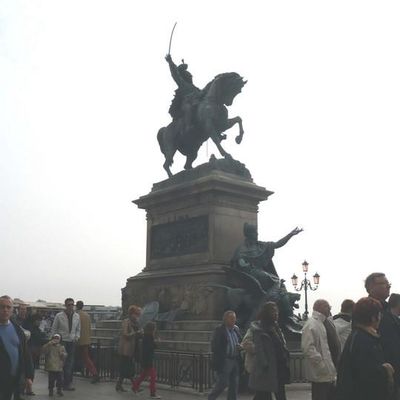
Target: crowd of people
pixel 354 355
pixel 24 338
pixel 22 344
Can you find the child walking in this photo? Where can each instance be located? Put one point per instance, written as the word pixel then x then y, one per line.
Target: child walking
pixel 147 358
pixel 55 355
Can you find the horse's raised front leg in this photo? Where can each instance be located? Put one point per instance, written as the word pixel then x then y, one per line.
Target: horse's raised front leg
pixel 232 121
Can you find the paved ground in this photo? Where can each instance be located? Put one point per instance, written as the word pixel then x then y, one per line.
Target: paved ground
pixel 106 390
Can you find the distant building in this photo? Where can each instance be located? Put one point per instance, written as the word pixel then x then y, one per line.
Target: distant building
pixel 100 313
pixel 96 312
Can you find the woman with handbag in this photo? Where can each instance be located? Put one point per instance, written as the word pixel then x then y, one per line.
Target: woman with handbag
pixel 126 349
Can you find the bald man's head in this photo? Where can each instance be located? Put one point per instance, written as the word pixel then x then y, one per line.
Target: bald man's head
pixel 323 307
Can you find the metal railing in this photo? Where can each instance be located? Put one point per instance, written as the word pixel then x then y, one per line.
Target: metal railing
pixel 177 369
pixel 296 366
pixel 190 370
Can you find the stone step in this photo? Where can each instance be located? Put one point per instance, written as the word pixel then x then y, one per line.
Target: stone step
pixel 105 332
pixel 184 346
pixel 183 325
pixel 109 324
pixel 104 341
pixel 206 325
pixel 166 345
pixel 186 336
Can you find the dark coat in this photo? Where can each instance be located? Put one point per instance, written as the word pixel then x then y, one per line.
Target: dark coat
pixel 360 373
pixel 271 364
pixel 38 338
pixel 148 348
pixel 389 329
pixel 333 341
pixel 264 376
pixel 219 345
pixel 25 366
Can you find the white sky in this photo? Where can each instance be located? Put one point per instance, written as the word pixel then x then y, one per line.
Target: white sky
pixel 84 88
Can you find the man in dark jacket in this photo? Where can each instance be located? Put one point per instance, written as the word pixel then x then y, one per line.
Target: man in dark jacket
pixel 14 355
pixel 225 346
pixel 390 335
pixel 378 287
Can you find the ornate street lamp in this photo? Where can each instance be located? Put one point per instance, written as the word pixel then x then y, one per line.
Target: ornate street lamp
pixel 305 284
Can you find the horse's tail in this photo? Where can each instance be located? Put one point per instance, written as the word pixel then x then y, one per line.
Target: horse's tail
pixel 160 138
pixel 163 142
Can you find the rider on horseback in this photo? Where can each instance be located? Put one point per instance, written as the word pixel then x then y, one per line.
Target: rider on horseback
pixel 186 96
pixel 198 115
pixel 186 99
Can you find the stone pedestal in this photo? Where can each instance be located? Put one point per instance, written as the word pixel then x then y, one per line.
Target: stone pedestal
pixel 194 224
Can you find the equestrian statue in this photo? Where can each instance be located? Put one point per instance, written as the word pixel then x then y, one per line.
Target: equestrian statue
pixel 198 114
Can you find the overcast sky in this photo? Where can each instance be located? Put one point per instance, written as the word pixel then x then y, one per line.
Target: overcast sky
pixel 84 88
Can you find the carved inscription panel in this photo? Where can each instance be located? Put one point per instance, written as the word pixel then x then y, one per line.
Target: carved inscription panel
pixel 185 236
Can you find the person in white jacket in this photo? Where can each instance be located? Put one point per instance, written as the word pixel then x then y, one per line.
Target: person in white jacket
pixel 68 324
pixel 318 365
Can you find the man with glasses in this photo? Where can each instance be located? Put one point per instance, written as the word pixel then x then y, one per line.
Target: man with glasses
pixel 67 324
pixel 378 287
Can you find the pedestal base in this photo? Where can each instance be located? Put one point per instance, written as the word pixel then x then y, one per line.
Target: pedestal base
pixel 194 224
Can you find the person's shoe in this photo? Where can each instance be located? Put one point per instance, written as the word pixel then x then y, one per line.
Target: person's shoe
pixel 30 394
pixel 119 387
pixel 69 388
pixel 95 379
pixel 155 396
pixel 60 393
pixel 51 392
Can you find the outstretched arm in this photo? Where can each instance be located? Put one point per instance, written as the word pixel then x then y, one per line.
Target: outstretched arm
pixel 174 70
pixel 285 239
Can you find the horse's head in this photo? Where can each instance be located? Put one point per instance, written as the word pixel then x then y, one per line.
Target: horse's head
pixel 225 87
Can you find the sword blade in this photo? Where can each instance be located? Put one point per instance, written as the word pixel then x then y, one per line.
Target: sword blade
pixel 170 39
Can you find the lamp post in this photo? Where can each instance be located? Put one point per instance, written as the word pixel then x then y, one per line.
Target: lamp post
pixel 305 284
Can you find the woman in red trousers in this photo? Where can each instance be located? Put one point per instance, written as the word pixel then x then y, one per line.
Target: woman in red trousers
pixel 147 361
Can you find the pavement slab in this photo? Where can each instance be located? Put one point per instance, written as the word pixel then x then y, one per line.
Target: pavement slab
pixel 106 390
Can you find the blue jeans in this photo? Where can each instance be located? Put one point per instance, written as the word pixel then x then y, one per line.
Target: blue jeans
pixel 228 377
pixel 69 363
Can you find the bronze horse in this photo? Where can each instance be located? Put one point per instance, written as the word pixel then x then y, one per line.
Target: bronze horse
pixel 208 119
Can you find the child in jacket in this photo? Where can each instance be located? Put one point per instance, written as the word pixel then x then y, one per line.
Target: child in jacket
pixel 55 356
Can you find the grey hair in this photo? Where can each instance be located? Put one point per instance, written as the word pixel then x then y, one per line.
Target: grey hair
pixel 318 303
pixel 227 313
